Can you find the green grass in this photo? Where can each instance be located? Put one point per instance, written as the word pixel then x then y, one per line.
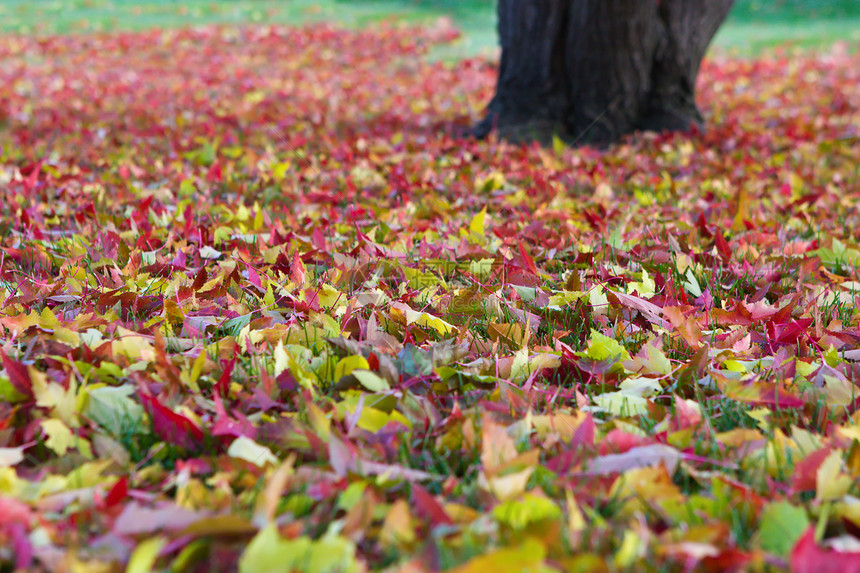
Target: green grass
pixel 751 37
pixel 65 16
pixel 754 26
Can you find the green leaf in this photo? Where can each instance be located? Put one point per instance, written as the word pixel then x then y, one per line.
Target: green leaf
pixel 602 347
pixel 269 553
pixel 111 408
pixel 371 381
pixel 519 513
pixel 415 362
pixel 331 554
pixel 782 524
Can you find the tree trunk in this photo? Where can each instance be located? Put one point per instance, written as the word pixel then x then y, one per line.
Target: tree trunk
pixel 590 71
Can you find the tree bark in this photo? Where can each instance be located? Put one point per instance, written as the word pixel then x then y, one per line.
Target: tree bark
pixel 531 96
pixel 590 71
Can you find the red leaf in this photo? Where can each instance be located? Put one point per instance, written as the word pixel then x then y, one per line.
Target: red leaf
pixel 723 247
pixel 199 280
pixel 428 508
pixel 223 384
pixel 778 398
pixel 215 173
pixel 171 427
pixel 787 333
pixel 528 262
pixel 727 561
pixel 805 471
pixel 18 375
pixel 808 557
pixel 117 493
pixel 31 175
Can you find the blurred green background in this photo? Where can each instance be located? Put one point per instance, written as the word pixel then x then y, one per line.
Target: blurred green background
pixel 753 26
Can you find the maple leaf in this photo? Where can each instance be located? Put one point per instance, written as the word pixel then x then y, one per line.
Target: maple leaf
pixel 173 428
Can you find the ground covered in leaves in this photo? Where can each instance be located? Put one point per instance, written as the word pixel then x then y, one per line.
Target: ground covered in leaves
pixel 263 310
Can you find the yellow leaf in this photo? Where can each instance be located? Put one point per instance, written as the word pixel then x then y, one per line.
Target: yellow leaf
pixel 63 402
pixel 347 364
pixel 279 170
pixel 477 228
pixel 849 432
pixel 520 366
pixel 372 420
pixel 144 556
pixel 830 483
pixel 244 448
pixel 269 297
pixel 739 437
pixel 258 217
pixel 643 486
pixel 565 298
pixel 423 319
pixel 89 474
pixel 530 508
pixel 762 416
pixel 743 210
pixel 329 297
pixel 625 404
pixel 60 437
pixel 632 548
pixel 654 361
pixel 527 557
pixel 197 368
pixel 839 391
pixel 133 346
pixel 320 423
pixel 285 360
pixel 849 509
pixel 10 483
pixel 576 521
pixel 544 361
pixel 492 182
pixel 397 529
pixel 508 486
pixel 510 333
pixel 645 287
pixel 565 425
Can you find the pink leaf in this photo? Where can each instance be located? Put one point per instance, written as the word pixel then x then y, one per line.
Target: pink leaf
pixel 808 557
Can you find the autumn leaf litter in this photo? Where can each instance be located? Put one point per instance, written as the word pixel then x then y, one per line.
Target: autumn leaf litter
pixel 263 310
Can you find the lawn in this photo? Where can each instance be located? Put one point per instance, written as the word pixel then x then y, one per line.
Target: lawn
pixel 261 309
pixel 754 26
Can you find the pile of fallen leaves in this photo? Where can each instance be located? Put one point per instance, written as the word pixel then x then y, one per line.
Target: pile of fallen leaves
pixel 263 310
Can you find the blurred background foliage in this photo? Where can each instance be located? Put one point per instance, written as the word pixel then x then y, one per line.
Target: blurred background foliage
pixel 753 26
